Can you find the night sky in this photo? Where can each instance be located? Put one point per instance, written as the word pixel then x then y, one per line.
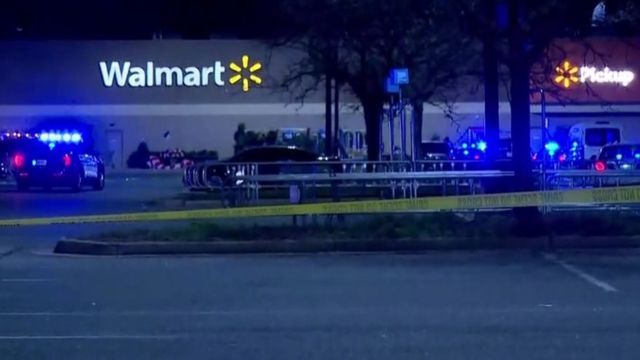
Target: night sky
pixel 137 19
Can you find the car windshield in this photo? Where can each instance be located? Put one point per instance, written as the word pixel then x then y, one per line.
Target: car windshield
pixel 601 136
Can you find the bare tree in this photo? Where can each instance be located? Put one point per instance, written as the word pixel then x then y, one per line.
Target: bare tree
pixel 357 42
pixel 520 33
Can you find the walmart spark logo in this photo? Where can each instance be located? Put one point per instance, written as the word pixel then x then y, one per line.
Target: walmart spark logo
pixel 245 73
pixel 566 75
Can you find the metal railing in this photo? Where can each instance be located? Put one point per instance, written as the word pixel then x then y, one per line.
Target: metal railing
pixel 403 184
pixel 398 179
pixel 558 179
pixel 198 178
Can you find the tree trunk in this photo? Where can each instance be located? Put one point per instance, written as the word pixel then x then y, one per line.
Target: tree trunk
pixel 520 127
pixel 529 219
pixel 336 119
pixel 328 133
pixel 418 110
pixel 491 86
pixel 372 115
pixel 519 69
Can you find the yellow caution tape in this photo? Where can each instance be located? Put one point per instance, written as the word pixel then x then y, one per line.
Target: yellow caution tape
pixel 628 194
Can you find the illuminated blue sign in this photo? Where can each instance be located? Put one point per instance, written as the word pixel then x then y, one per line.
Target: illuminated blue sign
pixel 400 76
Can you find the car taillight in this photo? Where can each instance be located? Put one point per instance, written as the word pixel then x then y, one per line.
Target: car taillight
pixel 18 160
pixel 600 166
pixel 562 157
pixel 67 160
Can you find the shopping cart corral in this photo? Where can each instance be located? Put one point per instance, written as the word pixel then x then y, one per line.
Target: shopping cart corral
pixel 570 179
pixel 242 183
pixel 203 178
pixel 390 185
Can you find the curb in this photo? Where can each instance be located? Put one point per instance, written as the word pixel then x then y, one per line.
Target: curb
pixel 81 247
pixel 240 247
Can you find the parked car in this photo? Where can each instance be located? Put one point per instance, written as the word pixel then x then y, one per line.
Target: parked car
pixel 435 156
pixel 268 160
pixel 435 150
pixel 53 163
pixel 557 159
pixel 5 163
pixel 4 168
pixel 618 157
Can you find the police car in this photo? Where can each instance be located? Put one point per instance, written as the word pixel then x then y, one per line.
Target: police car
pixel 618 157
pixel 54 159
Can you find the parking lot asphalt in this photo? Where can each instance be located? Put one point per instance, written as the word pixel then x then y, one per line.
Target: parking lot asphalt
pixel 455 305
pixel 124 192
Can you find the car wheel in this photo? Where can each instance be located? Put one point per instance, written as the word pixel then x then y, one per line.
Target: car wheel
pixel 76 185
pixel 99 181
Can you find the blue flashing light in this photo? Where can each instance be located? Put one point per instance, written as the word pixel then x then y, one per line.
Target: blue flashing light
pixel 466 153
pixel 637 156
pixel 618 156
pixel 552 147
pixel 55 137
pixel 482 146
pixel 473 146
pixel 465 145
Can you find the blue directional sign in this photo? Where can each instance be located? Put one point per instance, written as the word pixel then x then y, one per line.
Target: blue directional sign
pixel 400 76
pixel 391 87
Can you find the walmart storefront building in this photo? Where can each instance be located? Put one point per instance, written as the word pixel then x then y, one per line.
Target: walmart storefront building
pixel 193 94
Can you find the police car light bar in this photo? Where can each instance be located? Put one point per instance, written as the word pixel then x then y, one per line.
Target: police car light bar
pixel 56 136
pixel 5 135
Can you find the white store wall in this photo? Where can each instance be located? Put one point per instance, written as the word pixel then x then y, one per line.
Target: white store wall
pixel 211 127
pixel 62 79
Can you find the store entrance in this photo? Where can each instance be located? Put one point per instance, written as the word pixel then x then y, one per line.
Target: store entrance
pixel 114 157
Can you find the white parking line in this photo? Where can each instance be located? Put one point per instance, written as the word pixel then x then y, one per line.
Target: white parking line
pixel 581 274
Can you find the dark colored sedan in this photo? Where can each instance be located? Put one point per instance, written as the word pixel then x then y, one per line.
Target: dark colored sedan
pixel 4 168
pixel 619 157
pixel 47 165
pixel 432 150
pixel 268 160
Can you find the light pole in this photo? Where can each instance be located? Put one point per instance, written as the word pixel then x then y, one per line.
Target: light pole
pixel 543 127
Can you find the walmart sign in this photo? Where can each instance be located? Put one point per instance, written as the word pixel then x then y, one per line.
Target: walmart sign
pixel 127 74
pixel 124 74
